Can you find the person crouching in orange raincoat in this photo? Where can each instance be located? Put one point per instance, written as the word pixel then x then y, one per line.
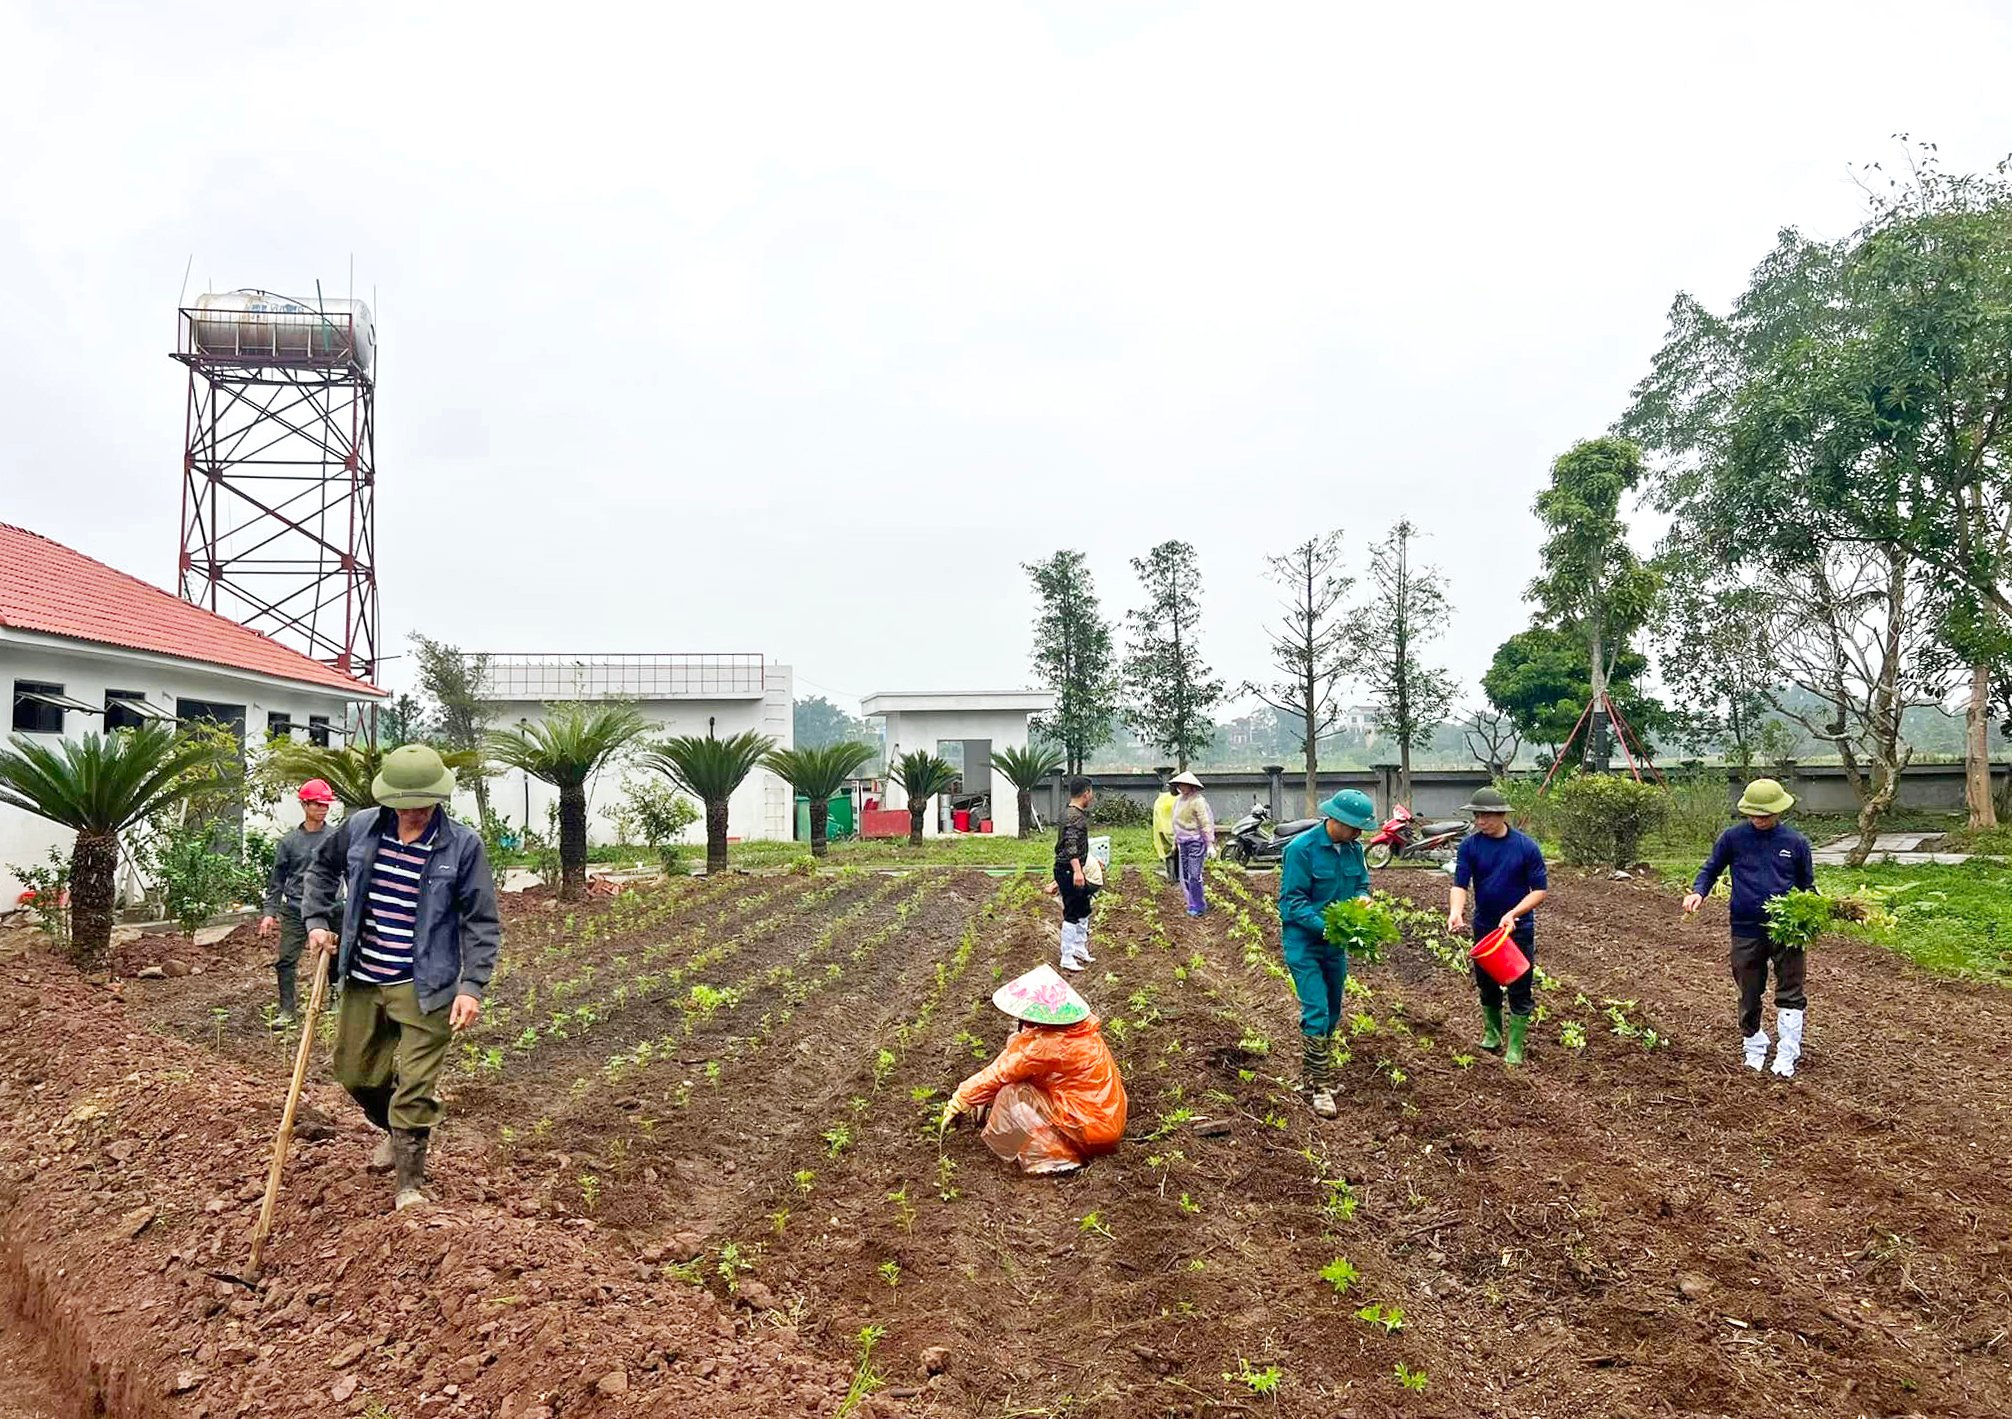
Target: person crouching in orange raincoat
pixel 1055 1097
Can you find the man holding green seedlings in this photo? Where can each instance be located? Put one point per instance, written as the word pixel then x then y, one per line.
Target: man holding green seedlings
pixel 1322 865
pixel 1767 858
pixel 1502 870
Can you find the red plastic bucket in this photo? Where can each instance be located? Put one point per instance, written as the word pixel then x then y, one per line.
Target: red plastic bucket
pixel 1496 954
pixel 960 819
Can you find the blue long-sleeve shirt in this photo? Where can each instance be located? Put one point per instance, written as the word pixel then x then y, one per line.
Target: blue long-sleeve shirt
pixel 1764 865
pixel 1315 873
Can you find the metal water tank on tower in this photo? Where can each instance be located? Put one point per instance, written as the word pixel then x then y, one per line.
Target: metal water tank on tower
pixel 279 477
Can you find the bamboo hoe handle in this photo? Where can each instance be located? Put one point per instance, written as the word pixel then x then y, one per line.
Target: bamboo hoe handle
pixel 300 1063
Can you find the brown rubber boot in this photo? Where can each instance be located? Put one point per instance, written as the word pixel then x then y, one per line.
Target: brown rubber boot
pixel 408 1150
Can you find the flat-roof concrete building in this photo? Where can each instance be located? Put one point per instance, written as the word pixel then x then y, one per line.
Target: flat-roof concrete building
pixel 964 727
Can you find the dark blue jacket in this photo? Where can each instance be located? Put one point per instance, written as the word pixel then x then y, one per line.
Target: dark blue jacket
pixel 1764 865
pixel 458 933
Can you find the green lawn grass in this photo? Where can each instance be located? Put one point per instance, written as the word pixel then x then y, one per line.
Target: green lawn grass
pixel 1129 847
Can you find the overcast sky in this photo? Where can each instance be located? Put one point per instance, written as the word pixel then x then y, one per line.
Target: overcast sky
pixel 798 329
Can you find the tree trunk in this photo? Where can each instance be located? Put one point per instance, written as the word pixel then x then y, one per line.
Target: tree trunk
pixel 1312 779
pixel 1404 773
pixel 481 787
pixel 1023 802
pixel 1977 751
pixel 716 836
pixel 572 843
pixel 94 866
pixel 915 821
pixel 820 818
pixel 1595 755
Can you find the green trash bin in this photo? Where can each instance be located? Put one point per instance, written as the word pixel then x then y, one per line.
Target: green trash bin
pixel 838 821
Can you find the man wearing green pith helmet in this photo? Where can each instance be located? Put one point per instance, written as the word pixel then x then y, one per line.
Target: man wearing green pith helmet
pixel 1323 865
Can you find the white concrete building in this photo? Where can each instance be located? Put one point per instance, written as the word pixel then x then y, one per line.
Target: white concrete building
pixel 963 726
pixel 678 694
pixel 84 647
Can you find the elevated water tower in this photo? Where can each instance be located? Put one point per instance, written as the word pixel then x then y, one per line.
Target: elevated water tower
pixel 279 505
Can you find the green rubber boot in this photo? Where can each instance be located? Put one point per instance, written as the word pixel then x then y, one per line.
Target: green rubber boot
pixel 1491 1034
pixel 1519 1026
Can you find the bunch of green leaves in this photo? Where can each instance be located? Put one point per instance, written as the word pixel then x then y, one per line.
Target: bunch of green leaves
pixel 1795 919
pixel 179 852
pixel 1361 926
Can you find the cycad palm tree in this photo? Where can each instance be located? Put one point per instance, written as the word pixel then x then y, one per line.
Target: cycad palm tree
pixel 1024 769
pixel 100 785
pixel 710 770
pixel 922 776
pixel 565 749
pixel 818 773
pixel 348 770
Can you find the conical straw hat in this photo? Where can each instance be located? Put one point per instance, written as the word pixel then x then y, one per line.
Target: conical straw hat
pixel 1041 997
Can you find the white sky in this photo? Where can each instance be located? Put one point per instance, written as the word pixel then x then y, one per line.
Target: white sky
pixel 798 329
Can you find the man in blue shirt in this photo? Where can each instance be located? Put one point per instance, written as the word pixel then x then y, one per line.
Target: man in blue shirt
pixel 1322 865
pixel 1502 870
pixel 1767 858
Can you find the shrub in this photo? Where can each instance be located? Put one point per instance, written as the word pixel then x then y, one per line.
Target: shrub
pixel 195 880
pixel 1602 818
pixel 1118 811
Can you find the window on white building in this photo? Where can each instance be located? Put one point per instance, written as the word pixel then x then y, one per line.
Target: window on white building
pixel 317 730
pixel 278 724
pixel 127 709
pixel 38 707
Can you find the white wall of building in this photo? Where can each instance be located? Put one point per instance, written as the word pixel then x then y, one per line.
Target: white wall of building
pixel 86 671
pixel 923 721
pixel 763 808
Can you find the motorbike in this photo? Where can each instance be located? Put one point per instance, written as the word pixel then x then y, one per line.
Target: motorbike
pixel 1404 837
pixel 1251 841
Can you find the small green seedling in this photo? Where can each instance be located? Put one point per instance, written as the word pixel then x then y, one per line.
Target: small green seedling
pixel 1391 1318
pixel 1094 1222
pixel 1340 1274
pixel 1413 1380
pixel 890 1272
pixel 1265 1381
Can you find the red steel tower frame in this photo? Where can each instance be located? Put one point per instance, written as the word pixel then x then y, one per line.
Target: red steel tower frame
pixel 279 478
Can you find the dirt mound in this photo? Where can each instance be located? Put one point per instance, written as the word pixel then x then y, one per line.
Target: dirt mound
pixel 130 1173
pixel 174 954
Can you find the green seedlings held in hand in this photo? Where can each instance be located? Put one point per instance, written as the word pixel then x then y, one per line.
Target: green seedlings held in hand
pixel 1795 919
pixel 1340 1274
pixel 1361 926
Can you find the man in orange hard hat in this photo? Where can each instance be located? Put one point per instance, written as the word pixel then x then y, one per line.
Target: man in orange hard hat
pixel 282 892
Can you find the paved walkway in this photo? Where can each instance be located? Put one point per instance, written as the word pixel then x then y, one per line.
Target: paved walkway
pixel 1906 849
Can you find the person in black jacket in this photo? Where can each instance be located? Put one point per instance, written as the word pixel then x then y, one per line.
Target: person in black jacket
pixel 1073 873
pixel 417 946
pixel 1767 858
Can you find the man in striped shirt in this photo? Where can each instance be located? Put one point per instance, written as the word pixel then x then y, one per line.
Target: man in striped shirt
pixel 418 944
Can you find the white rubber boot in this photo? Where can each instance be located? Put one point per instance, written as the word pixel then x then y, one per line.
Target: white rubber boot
pixel 1789 1022
pixel 1756 1048
pixel 1073 940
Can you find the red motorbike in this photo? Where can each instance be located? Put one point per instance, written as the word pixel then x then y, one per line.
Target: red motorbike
pixel 1404 837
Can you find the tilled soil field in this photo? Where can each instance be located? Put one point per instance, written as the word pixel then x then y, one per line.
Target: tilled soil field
pixel 692 1167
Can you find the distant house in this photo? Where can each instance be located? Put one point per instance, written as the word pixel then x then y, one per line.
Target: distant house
pixel 698 694
pixel 84 647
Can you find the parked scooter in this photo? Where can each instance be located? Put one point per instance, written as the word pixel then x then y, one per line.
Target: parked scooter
pixel 1251 841
pixel 1404 837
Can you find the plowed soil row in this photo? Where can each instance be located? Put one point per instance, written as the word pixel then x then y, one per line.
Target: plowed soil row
pixel 694 1139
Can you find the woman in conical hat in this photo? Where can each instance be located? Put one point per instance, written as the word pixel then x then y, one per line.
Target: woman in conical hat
pixel 1054 1095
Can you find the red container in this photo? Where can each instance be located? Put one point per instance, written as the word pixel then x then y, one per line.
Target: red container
pixel 1496 954
pixel 960 819
pixel 986 826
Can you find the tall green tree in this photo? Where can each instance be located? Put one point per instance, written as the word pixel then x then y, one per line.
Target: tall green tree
pixel 922 776
pixel 1174 695
pixel 1309 647
pixel 1407 609
pixel 1775 465
pixel 1592 584
pixel 1538 679
pixel 1025 768
pixel 400 721
pixel 817 772
pixel 454 683
pixel 710 770
pixel 566 748
pixel 1712 652
pixel 98 786
pixel 1073 655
